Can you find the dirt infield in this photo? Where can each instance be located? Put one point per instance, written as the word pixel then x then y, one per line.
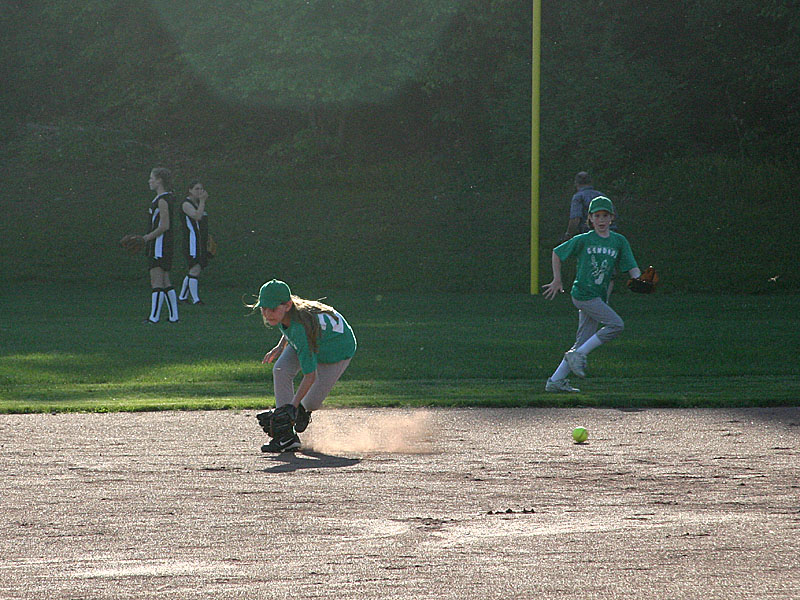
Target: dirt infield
pixel 391 503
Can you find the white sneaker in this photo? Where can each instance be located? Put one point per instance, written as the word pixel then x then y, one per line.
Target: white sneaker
pixel 577 362
pixel 560 385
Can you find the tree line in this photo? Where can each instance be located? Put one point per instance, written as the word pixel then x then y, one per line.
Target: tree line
pixel 623 81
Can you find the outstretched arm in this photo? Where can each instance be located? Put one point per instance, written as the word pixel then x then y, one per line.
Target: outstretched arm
pixel 552 289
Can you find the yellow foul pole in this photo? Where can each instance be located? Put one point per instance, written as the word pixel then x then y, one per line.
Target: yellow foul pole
pixel 535 62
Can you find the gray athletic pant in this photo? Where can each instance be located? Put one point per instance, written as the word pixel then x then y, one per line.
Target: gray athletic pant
pixel 286 369
pixel 591 313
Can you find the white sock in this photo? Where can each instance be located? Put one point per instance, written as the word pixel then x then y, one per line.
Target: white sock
pixel 561 372
pixel 172 304
pixel 193 285
pixel 184 289
pixel 156 299
pixel 590 344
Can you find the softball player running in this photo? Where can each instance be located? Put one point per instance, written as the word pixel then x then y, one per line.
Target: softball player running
pixel 195 240
pixel 598 254
pixel 158 247
pixel 316 340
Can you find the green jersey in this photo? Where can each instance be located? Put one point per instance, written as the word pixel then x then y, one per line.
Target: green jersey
pixel 336 341
pixel 597 257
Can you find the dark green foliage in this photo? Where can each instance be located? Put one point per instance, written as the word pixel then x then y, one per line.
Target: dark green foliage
pixel 386 146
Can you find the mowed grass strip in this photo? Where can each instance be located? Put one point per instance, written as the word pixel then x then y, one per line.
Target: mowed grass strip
pixel 74 347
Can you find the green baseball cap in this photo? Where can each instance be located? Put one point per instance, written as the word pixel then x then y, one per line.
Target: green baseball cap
pixel 272 294
pixel 601 203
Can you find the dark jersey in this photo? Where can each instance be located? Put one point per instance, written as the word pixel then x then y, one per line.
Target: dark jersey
pixel 195 237
pixel 195 233
pixel 161 247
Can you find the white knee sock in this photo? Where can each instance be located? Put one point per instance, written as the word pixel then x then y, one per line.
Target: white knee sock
pixel 590 344
pixel 193 288
pixel 561 372
pixel 156 300
pixel 184 289
pixel 172 304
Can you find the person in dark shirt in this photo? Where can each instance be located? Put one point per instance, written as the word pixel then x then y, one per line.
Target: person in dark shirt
pixel 579 205
pixel 194 220
pixel 159 245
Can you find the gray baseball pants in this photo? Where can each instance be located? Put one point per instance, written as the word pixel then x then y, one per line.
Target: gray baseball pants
pixel 593 313
pixel 286 369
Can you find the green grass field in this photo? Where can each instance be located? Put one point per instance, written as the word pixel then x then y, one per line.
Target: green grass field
pixel 73 347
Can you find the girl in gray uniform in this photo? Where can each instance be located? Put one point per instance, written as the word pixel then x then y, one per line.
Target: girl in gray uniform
pixel 316 340
pixel 598 253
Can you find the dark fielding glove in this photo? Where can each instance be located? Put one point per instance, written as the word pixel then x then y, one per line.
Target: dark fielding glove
pixel 645 283
pixel 265 420
pixel 132 243
pixel 211 246
pixel 278 423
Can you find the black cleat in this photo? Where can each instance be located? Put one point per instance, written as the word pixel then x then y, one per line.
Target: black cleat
pixel 289 444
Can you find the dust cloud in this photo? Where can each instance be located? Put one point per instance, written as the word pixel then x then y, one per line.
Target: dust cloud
pixel 409 433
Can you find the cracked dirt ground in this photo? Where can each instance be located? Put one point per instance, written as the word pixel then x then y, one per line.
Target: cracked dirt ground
pixel 392 503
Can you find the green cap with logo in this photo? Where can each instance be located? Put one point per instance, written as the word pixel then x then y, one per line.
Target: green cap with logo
pixel 601 203
pixel 272 294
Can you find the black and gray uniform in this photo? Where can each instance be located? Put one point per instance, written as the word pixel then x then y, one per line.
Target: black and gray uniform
pixel 195 237
pixel 159 250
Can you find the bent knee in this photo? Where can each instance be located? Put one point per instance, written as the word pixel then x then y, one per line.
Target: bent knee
pixel 611 330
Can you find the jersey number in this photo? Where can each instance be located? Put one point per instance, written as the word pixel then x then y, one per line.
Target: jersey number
pixel 334 320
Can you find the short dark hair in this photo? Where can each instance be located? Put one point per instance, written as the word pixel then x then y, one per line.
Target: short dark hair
pixel 583 178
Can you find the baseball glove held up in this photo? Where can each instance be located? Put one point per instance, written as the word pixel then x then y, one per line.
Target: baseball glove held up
pixel 645 283
pixel 132 243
